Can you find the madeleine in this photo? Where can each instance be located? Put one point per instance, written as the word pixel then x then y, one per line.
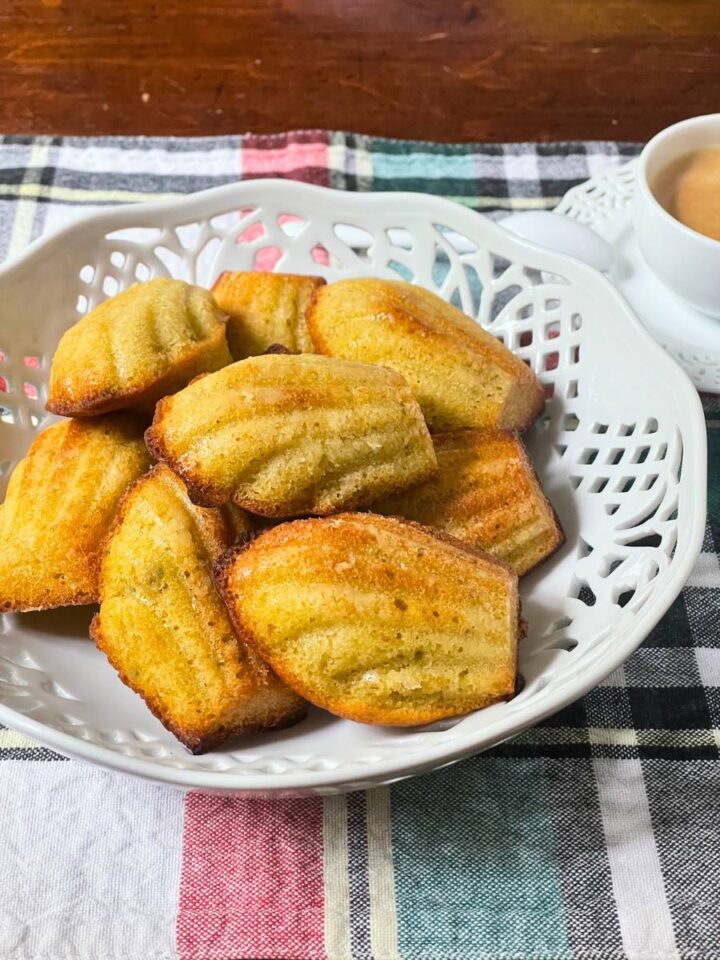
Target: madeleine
pixel 165 630
pixel 265 310
pixel 460 374
pixel 486 494
pixel 60 503
pixel 284 435
pixel 376 619
pixel 136 347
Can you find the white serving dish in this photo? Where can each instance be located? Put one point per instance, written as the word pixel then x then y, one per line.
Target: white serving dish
pixel 605 203
pixel 620 450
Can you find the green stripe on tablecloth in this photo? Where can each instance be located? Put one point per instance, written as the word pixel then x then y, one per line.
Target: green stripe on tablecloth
pixel 477 876
pixel 454 176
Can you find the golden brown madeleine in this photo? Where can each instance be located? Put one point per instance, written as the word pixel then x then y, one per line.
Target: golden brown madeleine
pixel 461 375
pixel 376 619
pixel 60 503
pixel 285 435
pixel 164 628
pixel 136 347
pixel 265 309
pixel 486 494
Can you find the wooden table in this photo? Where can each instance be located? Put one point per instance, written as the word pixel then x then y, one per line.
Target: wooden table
pixel 429 69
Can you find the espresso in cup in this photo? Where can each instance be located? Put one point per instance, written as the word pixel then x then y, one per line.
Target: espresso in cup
pixel 689 189
pixel 676 210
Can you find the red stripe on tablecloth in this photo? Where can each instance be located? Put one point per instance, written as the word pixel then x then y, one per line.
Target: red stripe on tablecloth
pixel 298 155
pixel 251 886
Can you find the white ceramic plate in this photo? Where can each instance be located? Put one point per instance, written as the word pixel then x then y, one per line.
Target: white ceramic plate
pixel 620 450
pixel 604 203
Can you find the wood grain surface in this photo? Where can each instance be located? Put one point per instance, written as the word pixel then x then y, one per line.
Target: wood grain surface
pixel 430 69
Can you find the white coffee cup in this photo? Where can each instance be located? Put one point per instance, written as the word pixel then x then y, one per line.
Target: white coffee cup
pixel 686 261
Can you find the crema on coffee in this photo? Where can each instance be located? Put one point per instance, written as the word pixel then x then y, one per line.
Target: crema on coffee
pixel 689 189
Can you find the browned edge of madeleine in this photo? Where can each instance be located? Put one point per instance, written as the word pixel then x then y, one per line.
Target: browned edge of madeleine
pixel 196 744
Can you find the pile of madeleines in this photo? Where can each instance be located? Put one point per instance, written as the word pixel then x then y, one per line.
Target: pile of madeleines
pixel 283 491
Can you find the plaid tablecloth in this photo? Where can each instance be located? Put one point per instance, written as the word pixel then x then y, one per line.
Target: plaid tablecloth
pixel 596 835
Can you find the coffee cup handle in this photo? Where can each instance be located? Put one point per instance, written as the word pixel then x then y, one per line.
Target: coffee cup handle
pixel 562 235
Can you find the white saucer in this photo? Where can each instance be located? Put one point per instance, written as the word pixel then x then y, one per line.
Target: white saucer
pixel 691 338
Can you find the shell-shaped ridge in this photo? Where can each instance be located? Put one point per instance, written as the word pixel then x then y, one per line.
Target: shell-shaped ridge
pixel 288 435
